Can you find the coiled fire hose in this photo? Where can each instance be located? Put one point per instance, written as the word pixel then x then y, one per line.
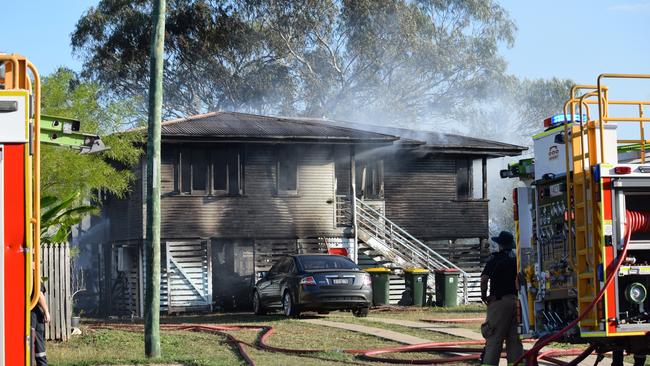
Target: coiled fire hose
pixel 635 222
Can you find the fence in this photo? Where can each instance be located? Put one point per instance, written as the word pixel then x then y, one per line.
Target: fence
pixel 56 273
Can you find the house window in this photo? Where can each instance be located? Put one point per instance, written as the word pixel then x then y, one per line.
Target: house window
pixel 463 179
pixel 185 171
pixel 226 171
pixel 208 170
pixel 200 171
pixel 370 179
pixel 287 170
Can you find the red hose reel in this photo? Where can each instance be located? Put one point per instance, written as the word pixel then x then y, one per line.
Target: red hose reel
pixel 637 222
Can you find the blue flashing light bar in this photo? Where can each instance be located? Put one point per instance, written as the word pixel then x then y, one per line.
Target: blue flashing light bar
pixel 559 119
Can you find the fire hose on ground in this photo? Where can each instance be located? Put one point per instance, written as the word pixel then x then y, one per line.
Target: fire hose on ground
pixel 635 222
pixel 460 350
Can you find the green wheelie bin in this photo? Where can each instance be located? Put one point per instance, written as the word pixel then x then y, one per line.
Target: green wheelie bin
pixel 380 285
pixel 416 284
pixel 447 287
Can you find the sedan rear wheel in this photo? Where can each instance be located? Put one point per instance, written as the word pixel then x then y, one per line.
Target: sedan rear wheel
pixel 360 312
pixel 258 308
pixel 288 307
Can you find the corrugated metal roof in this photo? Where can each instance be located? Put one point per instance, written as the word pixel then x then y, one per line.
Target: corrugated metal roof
pixel 438 141
pixel 232 125
pixel 243 126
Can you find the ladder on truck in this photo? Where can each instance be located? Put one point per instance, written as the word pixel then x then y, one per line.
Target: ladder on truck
pixel 582 156
pixel 585 149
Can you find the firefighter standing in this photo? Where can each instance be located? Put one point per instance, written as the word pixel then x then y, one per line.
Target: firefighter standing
pixel 501 323
pixel 39 316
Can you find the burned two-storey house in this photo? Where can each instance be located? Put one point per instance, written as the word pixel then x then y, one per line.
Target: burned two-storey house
pixel 240 190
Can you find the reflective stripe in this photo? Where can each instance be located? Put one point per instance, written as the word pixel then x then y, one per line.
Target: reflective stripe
pixel 40 354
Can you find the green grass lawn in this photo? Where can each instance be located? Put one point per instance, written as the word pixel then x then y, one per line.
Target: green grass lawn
pixel 107 347
pixel 421 333
pixel 419 314
pixel 102 346
pixel 120 347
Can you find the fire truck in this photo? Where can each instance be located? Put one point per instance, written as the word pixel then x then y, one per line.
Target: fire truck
pixel 582 222
pixel 22 131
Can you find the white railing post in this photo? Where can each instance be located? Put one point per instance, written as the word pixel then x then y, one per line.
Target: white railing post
pixel 465 292
pixel 355 227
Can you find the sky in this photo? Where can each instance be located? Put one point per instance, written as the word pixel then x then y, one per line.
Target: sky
pixel 580 39
pixel 46 42
pixel 575 39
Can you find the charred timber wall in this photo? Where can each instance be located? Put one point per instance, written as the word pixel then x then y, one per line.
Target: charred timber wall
pixel 260 212
pixel 420 195
pixel 126 215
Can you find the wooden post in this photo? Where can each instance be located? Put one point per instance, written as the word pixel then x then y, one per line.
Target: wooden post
pixel 353 201
pixel 484 179
pixel 484 241
pixel 152 307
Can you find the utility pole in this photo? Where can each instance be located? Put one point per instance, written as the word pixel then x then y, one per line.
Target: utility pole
pixel 152 242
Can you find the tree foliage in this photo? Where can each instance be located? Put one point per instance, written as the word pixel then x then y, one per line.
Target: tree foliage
pixel 542 98
pixel 59 215
pixel 516 109
pixel 65 172
pixel 352 59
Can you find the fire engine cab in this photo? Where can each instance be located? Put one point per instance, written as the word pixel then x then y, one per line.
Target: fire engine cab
pixel 582 218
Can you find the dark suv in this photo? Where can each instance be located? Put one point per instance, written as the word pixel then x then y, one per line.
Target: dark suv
pixel 313 282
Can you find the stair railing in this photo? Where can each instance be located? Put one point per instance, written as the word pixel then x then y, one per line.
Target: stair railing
pixel 398 243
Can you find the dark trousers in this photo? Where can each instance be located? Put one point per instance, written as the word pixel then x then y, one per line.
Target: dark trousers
pixel 617 359
pixel 38 334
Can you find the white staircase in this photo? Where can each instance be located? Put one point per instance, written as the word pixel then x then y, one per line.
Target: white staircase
pixel 393 247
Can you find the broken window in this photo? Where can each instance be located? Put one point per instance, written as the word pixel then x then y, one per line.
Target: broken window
pixel 185 181
pixel 219 171
pixel 463 179
pixel 226 171
pixel 169 167
pixel 370 178
pixel 207 170
pixel 199 171
pixel 287 170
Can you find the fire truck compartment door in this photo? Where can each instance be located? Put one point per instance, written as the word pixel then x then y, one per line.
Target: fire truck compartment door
pixel 14 116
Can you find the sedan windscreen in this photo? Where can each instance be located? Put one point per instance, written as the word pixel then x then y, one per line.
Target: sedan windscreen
pixel 318 262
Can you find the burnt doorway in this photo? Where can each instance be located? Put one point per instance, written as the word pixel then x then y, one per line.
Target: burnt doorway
pixel 233 273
